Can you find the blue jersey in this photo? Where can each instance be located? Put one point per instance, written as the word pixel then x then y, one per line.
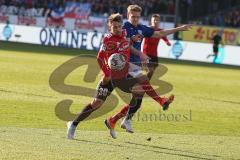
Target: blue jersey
pixel 136 35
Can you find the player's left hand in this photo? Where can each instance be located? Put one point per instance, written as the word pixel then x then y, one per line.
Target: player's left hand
pixel 144 58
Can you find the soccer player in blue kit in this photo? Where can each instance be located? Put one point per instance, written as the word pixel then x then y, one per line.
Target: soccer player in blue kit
pixel 136 32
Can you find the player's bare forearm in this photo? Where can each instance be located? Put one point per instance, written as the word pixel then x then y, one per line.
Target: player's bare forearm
pixel 163 33
pixel 139 53
pixel 135 51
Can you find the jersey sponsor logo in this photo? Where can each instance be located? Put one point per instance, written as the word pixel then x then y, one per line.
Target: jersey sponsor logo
pixel 110 46
pixel 137 38
pixel 124 46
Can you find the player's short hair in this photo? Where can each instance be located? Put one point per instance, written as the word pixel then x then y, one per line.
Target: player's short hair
pixel 115 18
pixel 155 15
pixel 134 8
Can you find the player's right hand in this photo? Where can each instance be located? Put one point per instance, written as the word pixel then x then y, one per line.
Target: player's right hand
pixel 185 27
pixel 168 43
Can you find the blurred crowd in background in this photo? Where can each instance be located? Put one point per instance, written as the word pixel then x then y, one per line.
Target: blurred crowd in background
pixel 214 13
pixel 223 19
pixel 38 8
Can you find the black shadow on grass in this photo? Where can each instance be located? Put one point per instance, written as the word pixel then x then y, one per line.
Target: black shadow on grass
pixel 214 99
pixel 170 149
pixel 160 149
pixel 24 93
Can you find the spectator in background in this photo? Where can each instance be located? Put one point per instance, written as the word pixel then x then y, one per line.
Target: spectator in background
pixel 118 7
pixel 171 7
pixel 12 9
pixel 97 7
pixel 57 11
pixel 227 20
pixel 22 10
pixel 160 7
pixel 104 7
pixel 50 4
pixel 3 9
pixel 220 19
pixel 236 15
pixel 39 10
pixel 29 3
pixel 46 10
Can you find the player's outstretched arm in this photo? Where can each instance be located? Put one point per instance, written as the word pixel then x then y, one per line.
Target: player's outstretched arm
pixel 162 33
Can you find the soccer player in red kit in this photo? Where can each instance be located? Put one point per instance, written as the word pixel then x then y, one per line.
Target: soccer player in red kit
pixel 115 42
pixel 150 49
pixel 150 45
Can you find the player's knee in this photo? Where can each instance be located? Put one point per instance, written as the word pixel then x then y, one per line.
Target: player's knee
pixel 151 69
pixel 138 90
pixel 138 97
pixel 150 73
pixel 96 103
pixel 143 79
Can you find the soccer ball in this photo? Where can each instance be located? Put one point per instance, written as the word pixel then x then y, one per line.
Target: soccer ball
pixel 116 61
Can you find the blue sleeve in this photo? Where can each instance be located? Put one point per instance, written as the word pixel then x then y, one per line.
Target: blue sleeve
pixel 147 31
pixel 126 27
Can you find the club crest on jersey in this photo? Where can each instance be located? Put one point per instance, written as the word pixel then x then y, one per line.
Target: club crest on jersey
pixel 110 46
pixel 140 32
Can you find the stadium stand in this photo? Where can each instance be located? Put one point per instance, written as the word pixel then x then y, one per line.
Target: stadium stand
pixel 218 13
pixel 37 8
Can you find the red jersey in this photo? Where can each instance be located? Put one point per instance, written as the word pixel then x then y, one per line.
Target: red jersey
pixel 151 44
pixel 113 44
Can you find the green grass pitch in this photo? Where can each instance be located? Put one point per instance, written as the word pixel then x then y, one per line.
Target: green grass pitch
pixel 208 95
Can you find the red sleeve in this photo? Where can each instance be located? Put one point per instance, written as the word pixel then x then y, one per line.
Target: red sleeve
pixel 166 40
pixel 102 61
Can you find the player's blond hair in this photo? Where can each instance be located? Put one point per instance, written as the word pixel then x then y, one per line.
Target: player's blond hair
pixel 134 8
pixel 115 18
